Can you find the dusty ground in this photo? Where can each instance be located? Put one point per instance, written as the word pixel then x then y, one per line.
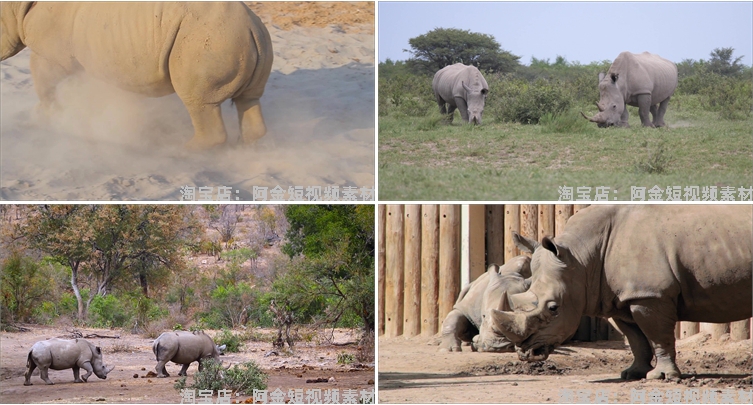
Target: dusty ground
pixel 351 17
pixel 412 371
pixel 132 355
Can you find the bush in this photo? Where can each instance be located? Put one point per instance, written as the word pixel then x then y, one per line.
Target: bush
pixel 229 339
pixel 243 379
pixel 345 358
pixel 569 122
pixel 527 103
pixel 656 160
pixel 108 312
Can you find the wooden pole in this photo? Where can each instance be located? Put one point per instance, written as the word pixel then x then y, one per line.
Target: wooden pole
pixel 688 329
pixel 561 214
pixel 429 270
pixel 716 329
pixel 449 257
pixel 512 223
pixel 472 254
pixel 546 221
pixel 740 330
pixel 382 210
pixel 412 310
pixel 529 221
pixel 495 234
pixel 393 297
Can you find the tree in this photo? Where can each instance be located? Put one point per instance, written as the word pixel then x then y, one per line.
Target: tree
pixel 721 62
pixel 332 273
pixel 445 46
pixel 23 286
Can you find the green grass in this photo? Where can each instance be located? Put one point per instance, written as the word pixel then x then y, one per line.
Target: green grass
pixel 421 158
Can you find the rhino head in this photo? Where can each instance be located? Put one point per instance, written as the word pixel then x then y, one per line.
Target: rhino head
pixel 611 104
pixel 549 312
pixel 98 365
pixel 12 14
pixel 475 97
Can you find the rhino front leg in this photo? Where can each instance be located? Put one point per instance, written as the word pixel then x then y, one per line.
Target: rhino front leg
pixel 463 108
pixel 456 328
pixel 642 353
pixel 184 370
pixel 657 320
pixel 644 107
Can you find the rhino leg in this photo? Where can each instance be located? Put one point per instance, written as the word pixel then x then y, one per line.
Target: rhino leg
pixel 44 377
pixel 644 107
pixel 456 328
pixel 47 74
pixel 641 349
pixel 441 104
pixel 89 370
pixel 659 114
pixel 463 108
pixel 250 119
pixel 209 129
pixel 30 366
pixel 161 370
pixel 657 320
pixel 184 370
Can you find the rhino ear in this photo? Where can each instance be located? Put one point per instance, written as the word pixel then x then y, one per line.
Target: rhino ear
pixel 465 87
pixel 615 76
pixel 523 243
pixel 493 267
pixel 601 76
pixel 548 244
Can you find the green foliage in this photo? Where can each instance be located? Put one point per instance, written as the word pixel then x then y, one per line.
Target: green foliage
pixel 108 311
pixel 24 285
pixel 243 379
pixel 656 159
pixel 229 339
pixel 567 122
pixel 527 103
pixel 345 358
pixel 442 47
pixel 229 306
pixel 406 94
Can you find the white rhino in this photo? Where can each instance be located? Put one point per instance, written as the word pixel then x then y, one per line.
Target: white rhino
pixel 206 52
pixel 61 354
pixel 184 348
pixel 646 267
pixel 462 87
pixel 465 323
pixel 644 80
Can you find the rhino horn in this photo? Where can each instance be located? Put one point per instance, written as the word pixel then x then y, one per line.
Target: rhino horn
pixel 592 119
pixel 107 370
pixel 525 301
pixel 598 106
pixel 511 324
pixel 504 304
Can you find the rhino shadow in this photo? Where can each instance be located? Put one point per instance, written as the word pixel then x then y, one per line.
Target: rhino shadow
pixel 390 380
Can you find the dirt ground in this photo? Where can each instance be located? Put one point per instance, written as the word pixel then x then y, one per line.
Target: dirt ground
pixel 412 371
pixel 351 17
pixel 132 356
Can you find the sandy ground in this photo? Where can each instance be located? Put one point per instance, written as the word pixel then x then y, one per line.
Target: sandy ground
pixel 132 355
pixel 108 144
pixel 412 371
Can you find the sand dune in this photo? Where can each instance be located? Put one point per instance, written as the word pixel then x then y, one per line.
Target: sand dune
pixel 107 144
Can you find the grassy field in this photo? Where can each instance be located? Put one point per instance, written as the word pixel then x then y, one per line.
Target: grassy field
pixel 423 158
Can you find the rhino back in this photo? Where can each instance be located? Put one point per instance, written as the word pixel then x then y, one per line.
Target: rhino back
pixel 471 304
pixel 61 354
pixel 699 256
pixel 192 347
pixel 646 73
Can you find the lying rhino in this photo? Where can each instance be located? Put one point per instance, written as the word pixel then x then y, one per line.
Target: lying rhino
pixel 647 267
pixel 61 354
pixel 206 52
pixel 462 87
pixel 466 321
pixel 645 80
pixel 184 348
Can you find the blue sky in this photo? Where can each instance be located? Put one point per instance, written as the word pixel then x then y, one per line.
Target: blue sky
pixel 579 31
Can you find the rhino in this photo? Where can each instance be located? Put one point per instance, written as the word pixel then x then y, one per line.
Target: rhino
pixel 62 354
pixel 646 267
pixel 184 348
pixel 462 87
pixel 644 80
pixel 465 323
pixel 206 52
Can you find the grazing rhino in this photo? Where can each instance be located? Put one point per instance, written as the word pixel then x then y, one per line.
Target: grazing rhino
pixel 646 267
pixel 466 320
pixel 644 80
pixel 184 348
pixel 61 354
pixel 206 52
pixel 462 87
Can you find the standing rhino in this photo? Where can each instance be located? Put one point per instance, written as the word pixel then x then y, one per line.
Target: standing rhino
pixel 184 348
pixel 206 52
pixel 647 267
pixel 645 80
pixel 61 354
pixel 462 87
pixel 466 320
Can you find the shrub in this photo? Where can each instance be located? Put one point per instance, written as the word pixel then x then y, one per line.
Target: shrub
pixel 229 339
pixel 242 379
pixel 656 160
pixel 569 122
pixel 345 358
pixel 108 312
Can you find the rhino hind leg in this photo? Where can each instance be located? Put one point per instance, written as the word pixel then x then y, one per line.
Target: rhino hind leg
pixel 43 375
pixel 30 366
pixel 657 320
pixel 456 329
pixel 659 112
pixel 161 370
pixel 46 74
pixel 250 118
pixel 184 370
pixel 642 353
pixel 209 129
